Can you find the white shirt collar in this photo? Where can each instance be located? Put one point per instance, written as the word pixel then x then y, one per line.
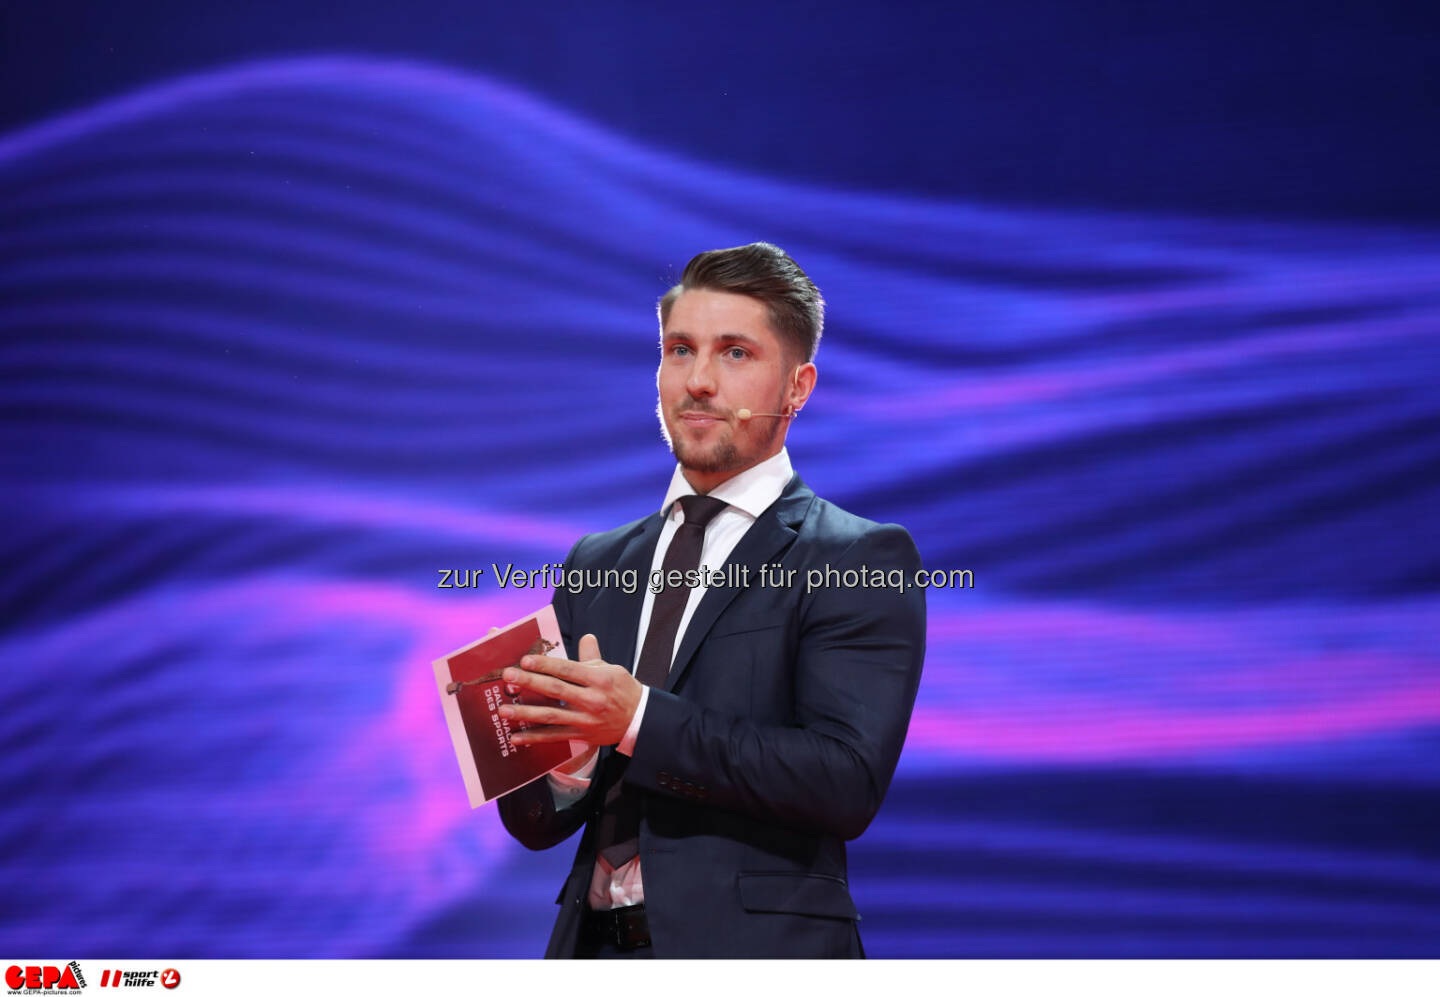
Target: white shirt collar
pixel 752 491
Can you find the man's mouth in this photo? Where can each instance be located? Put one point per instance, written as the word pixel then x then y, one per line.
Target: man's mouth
pixel 695 418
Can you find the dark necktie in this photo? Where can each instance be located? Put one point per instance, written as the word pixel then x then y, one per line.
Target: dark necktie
pixel 617 835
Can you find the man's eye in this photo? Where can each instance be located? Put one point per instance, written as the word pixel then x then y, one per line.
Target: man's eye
pixel 679 349
pixel 737 353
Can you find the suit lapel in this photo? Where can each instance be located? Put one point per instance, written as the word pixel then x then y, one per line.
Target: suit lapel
pixel 767 537
pixel 621 612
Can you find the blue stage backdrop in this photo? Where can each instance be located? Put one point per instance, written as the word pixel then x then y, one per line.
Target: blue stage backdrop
pixel 283 338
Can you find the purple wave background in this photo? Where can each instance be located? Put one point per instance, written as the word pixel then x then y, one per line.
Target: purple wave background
pixel 283 340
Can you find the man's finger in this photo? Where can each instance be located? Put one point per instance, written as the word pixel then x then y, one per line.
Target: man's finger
pixel 543 684
pixel 563 668
pixel 589 648
pixel 543 715
pixel 544 735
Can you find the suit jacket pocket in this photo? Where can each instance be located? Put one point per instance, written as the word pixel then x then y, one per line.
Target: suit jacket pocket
pixel 796 893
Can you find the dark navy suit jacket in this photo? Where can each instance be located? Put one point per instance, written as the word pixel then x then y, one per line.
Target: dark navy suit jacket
pixel 771 745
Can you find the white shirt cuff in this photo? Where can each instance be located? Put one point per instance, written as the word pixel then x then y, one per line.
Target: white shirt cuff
pixel 566 789
pixel 627 743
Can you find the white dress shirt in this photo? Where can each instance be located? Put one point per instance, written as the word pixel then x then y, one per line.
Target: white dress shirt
pixel 748 494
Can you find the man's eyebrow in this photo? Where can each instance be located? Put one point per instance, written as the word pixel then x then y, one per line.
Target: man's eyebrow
pixel 738 337
pixel 724 337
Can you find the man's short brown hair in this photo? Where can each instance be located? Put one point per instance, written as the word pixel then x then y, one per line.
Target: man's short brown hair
pixel 767 273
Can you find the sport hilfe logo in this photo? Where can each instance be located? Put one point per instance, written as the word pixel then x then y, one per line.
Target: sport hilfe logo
pixel 44 978
pixel 169 978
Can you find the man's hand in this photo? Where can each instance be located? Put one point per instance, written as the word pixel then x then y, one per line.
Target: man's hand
pixel 600 698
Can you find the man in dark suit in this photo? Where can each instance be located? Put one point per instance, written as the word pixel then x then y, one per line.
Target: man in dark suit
pixel 767 707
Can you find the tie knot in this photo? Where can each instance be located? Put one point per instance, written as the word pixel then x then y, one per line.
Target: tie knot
pixel 700 509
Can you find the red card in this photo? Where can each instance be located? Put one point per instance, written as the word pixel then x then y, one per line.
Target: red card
pixel 471 693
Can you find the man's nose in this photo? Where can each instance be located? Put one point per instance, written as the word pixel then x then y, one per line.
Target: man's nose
pixel 700 382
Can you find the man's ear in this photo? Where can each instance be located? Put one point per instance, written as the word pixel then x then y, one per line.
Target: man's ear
pixel 802 382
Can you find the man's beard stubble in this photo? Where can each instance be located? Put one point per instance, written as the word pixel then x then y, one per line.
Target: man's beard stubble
pixel 723 456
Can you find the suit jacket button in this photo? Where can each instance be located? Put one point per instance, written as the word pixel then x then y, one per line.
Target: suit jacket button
pixel 536 811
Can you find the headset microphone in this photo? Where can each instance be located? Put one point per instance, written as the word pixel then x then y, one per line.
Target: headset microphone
pixel 745 415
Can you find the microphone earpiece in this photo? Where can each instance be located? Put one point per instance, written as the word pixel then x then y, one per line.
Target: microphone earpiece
pixel 745 415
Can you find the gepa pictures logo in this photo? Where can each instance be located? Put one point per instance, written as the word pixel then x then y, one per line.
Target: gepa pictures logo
pixel 44 979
